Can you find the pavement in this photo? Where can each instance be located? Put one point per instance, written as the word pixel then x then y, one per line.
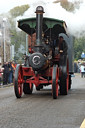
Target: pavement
pixel 7 85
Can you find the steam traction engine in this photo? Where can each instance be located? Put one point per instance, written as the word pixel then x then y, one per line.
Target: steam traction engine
pixel 45 65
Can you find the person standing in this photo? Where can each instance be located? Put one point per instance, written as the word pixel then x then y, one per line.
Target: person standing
pixel 10 78
pixel 0 74
pixel 82 69
pixel 14 67
pixel 5 73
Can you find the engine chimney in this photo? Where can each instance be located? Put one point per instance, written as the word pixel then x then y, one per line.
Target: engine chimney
pixel 39 20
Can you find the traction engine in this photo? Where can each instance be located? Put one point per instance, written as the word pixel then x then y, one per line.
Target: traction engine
pixel 44 65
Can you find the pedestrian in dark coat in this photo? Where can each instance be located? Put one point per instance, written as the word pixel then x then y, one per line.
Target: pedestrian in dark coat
pixel 5 73
pixel 0 73
pixel 63 47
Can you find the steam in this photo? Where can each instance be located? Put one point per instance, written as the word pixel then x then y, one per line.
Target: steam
pixel 75 20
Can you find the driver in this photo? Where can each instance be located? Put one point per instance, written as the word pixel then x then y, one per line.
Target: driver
pixel 63 47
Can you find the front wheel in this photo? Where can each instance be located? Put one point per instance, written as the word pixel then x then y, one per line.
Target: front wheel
pixel 18 81
pixel 55 78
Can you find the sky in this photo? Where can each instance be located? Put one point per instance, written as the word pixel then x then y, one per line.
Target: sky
pixel 6 5
pixel 74 20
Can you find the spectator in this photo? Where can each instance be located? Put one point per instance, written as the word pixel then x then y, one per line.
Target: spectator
pixel 0 73
pixel 5 73
pixel 10 78
pixel 82 69
pixel 14 67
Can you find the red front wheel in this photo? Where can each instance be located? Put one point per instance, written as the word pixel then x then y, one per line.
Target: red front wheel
pixel 18 81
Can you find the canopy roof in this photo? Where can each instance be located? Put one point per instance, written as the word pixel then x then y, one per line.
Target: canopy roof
pixel 50 26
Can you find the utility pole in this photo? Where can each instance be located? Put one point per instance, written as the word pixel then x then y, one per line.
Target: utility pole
pixel 4 43
pixel 26 44
pixel 0 47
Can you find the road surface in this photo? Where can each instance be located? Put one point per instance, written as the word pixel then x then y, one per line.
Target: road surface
pixel 40 110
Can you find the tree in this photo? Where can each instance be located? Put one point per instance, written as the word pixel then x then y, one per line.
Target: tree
pixel 69 6
pixel 18 38
pixel 79 47
pixel 19 10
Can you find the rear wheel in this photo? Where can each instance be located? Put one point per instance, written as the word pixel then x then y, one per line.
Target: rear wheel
pixel 55 77
pixel 27 88
pixel 18 81
pixel 64 81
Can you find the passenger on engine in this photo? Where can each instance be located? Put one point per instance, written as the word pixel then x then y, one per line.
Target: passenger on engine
pixel 63 47
pixel 56 46
pixel 47 49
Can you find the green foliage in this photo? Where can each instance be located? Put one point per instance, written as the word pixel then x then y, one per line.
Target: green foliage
pixel 19 10
pixel 69 6
pixel 17 36
pixel 79 47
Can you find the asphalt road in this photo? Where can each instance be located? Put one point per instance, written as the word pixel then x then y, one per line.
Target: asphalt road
pixel 40 110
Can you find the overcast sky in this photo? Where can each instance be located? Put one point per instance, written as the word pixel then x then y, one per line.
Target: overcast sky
pixel 75 20
pixel 6 5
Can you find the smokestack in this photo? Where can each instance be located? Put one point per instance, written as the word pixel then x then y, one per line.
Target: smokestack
pixel 39 20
